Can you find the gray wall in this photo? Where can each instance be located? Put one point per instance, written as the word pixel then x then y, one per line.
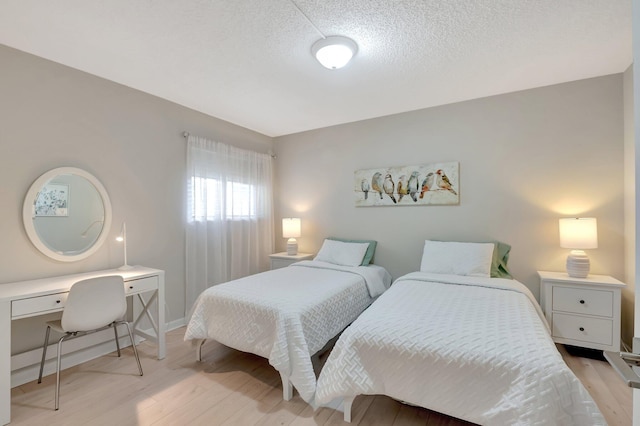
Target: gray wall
pixel 526 159
pixel 53 116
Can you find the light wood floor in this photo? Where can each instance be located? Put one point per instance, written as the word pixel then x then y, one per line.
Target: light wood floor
pixel 233 388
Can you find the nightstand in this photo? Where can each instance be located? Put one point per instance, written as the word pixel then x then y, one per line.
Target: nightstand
pixel 280 260
pixel 582 312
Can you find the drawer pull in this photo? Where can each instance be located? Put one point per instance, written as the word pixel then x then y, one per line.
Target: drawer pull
pixel 131 287
pixel 582 302
pixel 57 301
pixel 581 328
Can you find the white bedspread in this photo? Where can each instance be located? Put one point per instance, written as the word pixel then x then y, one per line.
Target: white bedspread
pixel 476 351
pixel 288 314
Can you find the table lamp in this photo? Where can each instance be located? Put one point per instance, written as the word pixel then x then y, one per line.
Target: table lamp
pixel 577 234
pixel 123 239
pixel 291 230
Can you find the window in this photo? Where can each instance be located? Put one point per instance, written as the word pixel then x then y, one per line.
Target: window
pixel 213 200
pixel 229 232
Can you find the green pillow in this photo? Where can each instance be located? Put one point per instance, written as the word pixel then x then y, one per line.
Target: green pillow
pixel 499 262
pixel 368 256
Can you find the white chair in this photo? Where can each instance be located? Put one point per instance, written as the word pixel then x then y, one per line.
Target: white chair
pixel 92 305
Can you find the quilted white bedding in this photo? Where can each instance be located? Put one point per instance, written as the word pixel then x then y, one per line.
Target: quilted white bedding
pixel 473 348
pixel 288 314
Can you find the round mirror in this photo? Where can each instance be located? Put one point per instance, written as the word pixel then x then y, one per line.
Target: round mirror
pixel 67 214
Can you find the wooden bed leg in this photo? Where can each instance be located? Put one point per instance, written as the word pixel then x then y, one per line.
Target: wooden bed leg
pixel 348 402
pixel 287 387
pixel 199 344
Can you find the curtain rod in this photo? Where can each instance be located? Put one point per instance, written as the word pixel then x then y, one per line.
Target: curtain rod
pixel 273 155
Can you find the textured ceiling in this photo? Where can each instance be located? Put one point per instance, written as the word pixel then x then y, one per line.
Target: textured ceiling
pixel 249 61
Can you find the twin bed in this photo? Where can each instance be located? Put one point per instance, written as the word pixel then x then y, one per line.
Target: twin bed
pixel 289 314
pixel 459 337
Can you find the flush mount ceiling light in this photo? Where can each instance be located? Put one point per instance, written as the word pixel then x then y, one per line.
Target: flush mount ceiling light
pixel 334 52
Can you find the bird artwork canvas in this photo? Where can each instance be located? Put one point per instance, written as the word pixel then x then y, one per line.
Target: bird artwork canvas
pixel 426 184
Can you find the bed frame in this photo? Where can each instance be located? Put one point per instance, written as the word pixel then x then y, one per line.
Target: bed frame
pixel 287 386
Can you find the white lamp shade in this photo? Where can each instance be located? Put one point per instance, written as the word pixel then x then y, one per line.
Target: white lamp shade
pixel 579 233
pixel 335 51
pixel 291 227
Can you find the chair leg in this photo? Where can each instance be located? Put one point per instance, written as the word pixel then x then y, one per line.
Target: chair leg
pixel 58 370
pixel 115 330
pixel 44 352
pixel 133 343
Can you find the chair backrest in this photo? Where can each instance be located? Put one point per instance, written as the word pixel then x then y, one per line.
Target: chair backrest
pixel 94 303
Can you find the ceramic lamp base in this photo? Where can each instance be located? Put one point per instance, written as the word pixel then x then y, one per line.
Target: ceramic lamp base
pixel 292 247
pixel 578 264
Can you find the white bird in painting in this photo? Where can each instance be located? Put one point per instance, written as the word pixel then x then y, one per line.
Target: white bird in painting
pixel 427 184
pixel 443 182
pixel 389 187
pixel 364 185
pixel 403 187
pixel 376 183
pixel 413 185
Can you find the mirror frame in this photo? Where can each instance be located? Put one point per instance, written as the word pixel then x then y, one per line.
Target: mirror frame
pixel 27 213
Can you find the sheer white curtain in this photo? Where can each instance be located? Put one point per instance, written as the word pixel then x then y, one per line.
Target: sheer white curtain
pixel 229 214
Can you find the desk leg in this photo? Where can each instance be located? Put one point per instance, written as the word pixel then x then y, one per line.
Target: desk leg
pixel 162 325
pixel 156 320
pixel 5 362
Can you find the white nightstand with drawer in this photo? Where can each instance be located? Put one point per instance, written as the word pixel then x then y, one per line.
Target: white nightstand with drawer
pixel 280 260
pixel 582 312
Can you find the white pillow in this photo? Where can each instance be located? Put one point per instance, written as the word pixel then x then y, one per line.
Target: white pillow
pixel 341 253
pixel 473 259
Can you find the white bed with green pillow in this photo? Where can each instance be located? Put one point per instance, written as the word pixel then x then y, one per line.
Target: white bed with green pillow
pixel 287 315
pixel 455 339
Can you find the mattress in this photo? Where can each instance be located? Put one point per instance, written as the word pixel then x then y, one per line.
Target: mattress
pixel 477 349
pixel 288 314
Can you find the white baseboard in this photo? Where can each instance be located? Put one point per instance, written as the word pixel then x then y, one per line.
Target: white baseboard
pixel 181 322
pixel 25 366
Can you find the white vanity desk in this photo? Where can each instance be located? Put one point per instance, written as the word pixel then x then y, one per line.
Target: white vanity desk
pixel 43 296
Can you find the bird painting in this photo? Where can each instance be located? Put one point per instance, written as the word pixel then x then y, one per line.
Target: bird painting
pixel 364 185
pixel 443 182
pixel 427 184
pixel 403 187
pixel 410 185
pixel 413 185
pixel 376 183
pixel 388 187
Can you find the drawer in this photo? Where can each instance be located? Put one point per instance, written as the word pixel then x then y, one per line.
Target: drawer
pixel 38 305
pixel 281 263
pixel 140 286
pixel 583 301
pixel 584 329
